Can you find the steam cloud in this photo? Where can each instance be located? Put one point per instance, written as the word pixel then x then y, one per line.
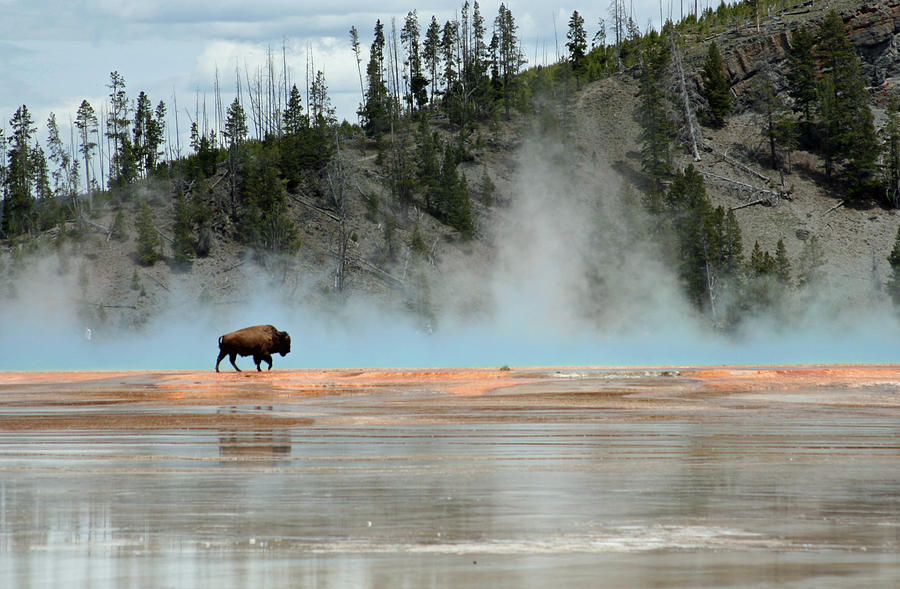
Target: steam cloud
pixel 573 280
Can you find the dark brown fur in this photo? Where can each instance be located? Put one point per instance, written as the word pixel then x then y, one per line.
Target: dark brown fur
pixel 259 341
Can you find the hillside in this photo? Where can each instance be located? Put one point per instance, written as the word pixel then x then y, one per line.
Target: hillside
pixel 563 235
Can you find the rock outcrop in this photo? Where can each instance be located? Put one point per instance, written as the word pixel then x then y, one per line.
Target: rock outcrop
pixel 873 27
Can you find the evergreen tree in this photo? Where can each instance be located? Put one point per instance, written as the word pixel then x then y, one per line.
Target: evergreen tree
pixel 510 58
pixel 449 43
pixel 893 285
pixel 19 195
pixel 122 168
pixel 656 131
pixel 264 219
pixel 236 124
pixel 140 130
pixel 846 121
pixel 235 134
pixel 777 126
pixel 761 262
pixel 428 168
pixel 65 177
pixel 477 80
pixel 810 263
pixel 295 122
pixel 802 74
pixel 431 53
pixel 296 140
pixel 86 123
pixel 155 138
pixel 731 258
pixel 183 238
pixel 454 202
pixel 409 35
pixel 375 113
pixel 47 209
pixel 782 264
pixel 577 45
pixel 321 113
pixel 148 237
pixel 891 137
pixel 716 89
pixel 695 227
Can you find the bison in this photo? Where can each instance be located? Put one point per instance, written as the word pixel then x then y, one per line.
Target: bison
pixel 259 341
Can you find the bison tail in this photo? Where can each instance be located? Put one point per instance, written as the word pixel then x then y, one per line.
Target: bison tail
pixel 221 337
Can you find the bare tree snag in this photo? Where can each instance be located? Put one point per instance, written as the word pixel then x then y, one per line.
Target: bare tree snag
pixel 740 166
pixel 690 120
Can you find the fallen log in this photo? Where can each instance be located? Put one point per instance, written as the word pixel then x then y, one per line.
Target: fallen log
pixel 745 185
pixel 835 207
pixel 767 200
pixel 741 166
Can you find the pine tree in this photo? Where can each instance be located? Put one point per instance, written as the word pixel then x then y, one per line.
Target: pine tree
pixel 235 134
pixel 782 264
pixel 810 263
pixel 716 89
pixel 65 177
pixel 448 45
pixel 577 45
pixel 695 226
pixel 156 131
pixel 236 124
pixel 418 83
pixel 732 246
pixel 183 238
pixel 295 122
pixel 510 58
pixel 140 130
pixel 802 74
pixel 374 112
pixel 264 219
pixel 453 201
pixel 148 241
pixel 777 126
pixel 656 131
pixel 891 137
pixel 122 168
pixel 477 80
pixel 321 113
pixel 893 285
pixel 86 123
pixel 761 262
pixel 428 168
pixel 461 217
pixel 431 53
pixel 19 195
pixel 48 211
pixel 846 121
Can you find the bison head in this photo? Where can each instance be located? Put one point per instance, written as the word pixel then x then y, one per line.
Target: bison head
pixel 283 345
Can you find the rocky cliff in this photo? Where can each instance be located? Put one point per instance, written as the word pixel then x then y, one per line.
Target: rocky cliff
pixel 873 27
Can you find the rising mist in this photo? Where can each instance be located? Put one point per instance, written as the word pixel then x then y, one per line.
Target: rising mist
pixel 574 277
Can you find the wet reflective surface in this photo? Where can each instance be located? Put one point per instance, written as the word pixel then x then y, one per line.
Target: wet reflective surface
pixel 456 478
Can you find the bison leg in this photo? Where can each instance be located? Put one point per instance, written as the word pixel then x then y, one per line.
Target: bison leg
pixel 231 358
pixel 219 359
pixel 257 359
pixel 268 359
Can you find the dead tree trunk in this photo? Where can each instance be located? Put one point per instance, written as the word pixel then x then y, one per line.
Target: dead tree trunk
pixel 336 184
pixel 690 121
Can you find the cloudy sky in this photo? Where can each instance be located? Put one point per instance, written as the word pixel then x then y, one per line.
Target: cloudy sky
pixel 55 53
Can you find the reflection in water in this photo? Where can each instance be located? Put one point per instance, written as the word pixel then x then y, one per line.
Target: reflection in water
pixel 257 445
pixel 504 496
